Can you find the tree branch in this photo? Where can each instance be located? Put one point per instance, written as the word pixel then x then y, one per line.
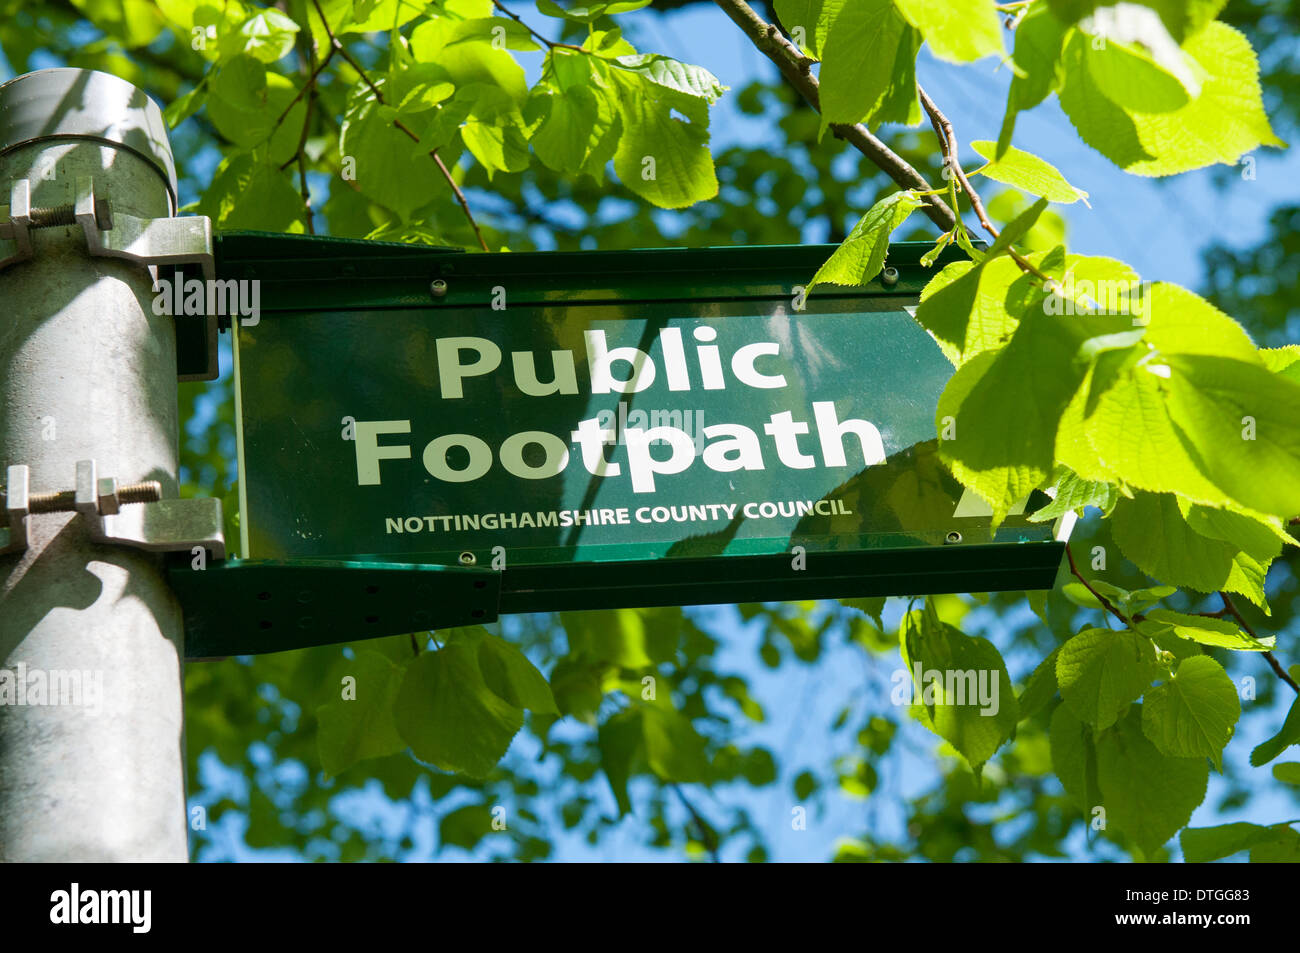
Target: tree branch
pixel 797 69
pixel 1097 595
pixel 1281 673
pixel 948 143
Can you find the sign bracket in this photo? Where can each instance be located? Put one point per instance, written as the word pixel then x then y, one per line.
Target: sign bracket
pixel 247 607
pixel 154 525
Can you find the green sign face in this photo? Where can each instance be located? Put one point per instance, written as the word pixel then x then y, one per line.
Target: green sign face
pixel 577 439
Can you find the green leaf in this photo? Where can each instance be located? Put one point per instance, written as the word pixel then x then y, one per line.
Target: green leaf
pixel 578 688
pixel 970 308
pixel 497 30
pixel 509 674
pixel 674 750
pixel 361 727
pixel 183 107
pixel 1039 38
pixel 1101 672
pixel 1041 687
pixel 1288 735
pixel 804 786
pixel 591 12
pixel 1288 772
pixel 465 60
pixel 959 31
pixel 1279 360
pixel 859 59
pixel 1134 61
pixel 1179 321
pixel 1002 409
pixel 955 670
pixel 661 158
pixel 574 120
pixel 1242 425
pixel 245 101
pixel 1048 232
pixel 249 192
pixel 803 19
pixel 618 636
pixel 450 717
pixel 1016 229
pixel 620 741
pixel 268 35
pixel 861 255
pixel 1074 494
pixel 1027 172
pixel 1218 633
pixel 1147 795
pixel 1282 846
pixel 1204 844
pixel 1223 123
pixel 1151 531
pixel 1074 758
pixel 1193 713
pixel 671 74
pixel 872 606
pixel 1124 431
pixel 493 130
pixel 1080 595
pixel 390 168
pixel 465 826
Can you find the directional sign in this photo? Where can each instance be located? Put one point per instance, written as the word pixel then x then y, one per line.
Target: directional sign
pixel 601 429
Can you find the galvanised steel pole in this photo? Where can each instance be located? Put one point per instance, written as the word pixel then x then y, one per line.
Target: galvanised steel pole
pixel 87 372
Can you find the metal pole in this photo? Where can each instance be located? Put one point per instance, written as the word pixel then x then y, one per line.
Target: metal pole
pixel 87 372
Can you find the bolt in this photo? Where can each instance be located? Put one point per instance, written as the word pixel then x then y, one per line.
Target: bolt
pixel 52 217
pixel 439 288
pixel 66 501
pixel 953 537
pixel 468 559
pixel 889 277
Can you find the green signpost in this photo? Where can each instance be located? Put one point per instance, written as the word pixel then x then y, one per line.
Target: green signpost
pixel 430 438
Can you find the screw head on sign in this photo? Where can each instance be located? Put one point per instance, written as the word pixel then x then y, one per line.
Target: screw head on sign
pixel 468 559
pixel 438 287
pixel 889 277
pixel 953 537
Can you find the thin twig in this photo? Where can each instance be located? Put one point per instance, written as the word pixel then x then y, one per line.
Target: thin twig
pixel 397 123
pixel 300 153
pixel 310 84
pixel 707 835
pixel 948 144
pixel 1281 673
pixel 1097 595
pixel 550 45
pixel 797 69
pixel 460 197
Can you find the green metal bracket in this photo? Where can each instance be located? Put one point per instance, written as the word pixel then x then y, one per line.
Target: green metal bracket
pixel 251 607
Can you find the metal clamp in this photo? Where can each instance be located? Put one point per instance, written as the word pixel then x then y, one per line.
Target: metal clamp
pixel 109 234
pixel 155 525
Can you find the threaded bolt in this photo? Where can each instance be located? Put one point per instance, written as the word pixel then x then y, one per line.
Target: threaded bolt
pixel 52 217
pixel 149 491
